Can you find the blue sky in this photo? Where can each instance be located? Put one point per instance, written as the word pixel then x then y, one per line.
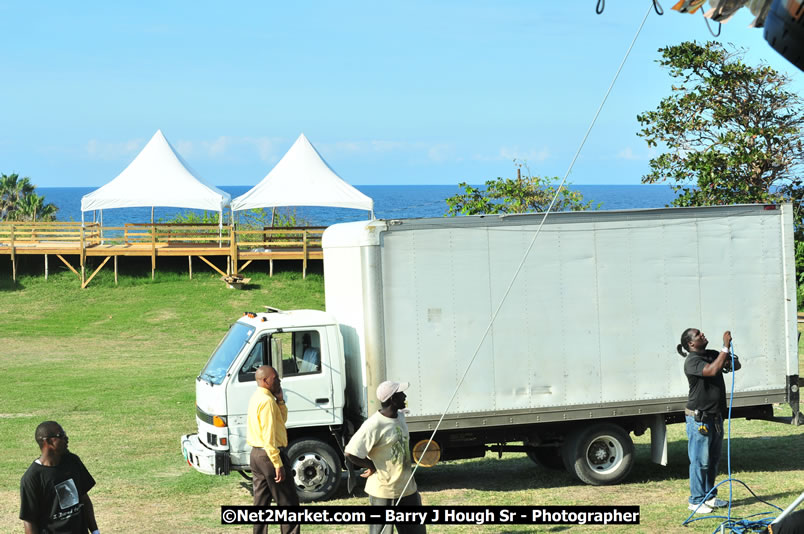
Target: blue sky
pixel 390 93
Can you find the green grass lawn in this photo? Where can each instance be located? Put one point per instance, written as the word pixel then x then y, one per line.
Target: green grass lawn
pixel 116 367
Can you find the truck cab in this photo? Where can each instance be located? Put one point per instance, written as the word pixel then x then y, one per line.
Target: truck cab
pixel 306 349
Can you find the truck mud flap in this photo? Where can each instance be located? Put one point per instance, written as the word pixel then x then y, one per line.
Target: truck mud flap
pixel 794 394
pixel 223 463
pixel 351 477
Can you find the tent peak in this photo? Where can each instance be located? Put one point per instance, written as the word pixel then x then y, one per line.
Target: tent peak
pixel 302 178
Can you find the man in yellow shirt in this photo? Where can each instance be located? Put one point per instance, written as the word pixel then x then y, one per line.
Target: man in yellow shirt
pixel 268 437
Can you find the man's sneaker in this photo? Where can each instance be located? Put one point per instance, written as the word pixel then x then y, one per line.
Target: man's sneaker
pixel 714 502
pixel 700 508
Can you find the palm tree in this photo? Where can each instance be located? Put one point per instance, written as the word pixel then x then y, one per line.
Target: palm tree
pixel 32 207
pixel 12 190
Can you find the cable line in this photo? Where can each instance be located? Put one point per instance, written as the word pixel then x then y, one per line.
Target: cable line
pixel 530 247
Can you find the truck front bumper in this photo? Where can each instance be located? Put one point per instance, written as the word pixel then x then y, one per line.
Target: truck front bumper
pixel 202 458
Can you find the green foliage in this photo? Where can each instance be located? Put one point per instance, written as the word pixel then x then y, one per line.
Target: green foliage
pixel 800 274
pixel 191 217
pixel 523 194
pixel 19 201
pixel 256 218
pixel 733 131
pixel 261 217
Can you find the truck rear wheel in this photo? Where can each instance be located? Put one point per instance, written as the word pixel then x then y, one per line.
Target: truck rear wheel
pixel 315 468
pixel 549 457
pixel 599 455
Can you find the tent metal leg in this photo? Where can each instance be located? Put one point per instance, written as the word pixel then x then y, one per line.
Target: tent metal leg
pixel 190 266
pixel 45 266
pixel 115 270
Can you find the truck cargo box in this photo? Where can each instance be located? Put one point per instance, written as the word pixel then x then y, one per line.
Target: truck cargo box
pixel 591 321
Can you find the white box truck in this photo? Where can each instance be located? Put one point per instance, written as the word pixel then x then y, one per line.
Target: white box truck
pixel 580 355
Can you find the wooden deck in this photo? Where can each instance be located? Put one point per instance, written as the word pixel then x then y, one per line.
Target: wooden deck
pixel 241 247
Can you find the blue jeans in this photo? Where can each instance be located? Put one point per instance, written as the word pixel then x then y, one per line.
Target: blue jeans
pixel 704 452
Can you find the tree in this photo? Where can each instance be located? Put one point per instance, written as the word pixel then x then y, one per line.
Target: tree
pixel 523 194
pixel 12 190
pixel 732 130
pixel 19 201
pixel 32 207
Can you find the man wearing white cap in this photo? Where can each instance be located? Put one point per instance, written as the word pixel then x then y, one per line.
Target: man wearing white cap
pixel 382 446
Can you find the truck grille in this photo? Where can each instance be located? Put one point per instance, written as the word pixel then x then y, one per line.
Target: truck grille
pixel 204 416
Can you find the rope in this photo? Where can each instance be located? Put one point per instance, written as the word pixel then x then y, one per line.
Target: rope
pixel 527 252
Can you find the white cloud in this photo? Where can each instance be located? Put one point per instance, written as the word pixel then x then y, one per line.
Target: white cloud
pixel 515 153
pixel 225 146
pixel 185 148
pixel 628 154
pixel 218 147
pixel 387 146
pixel 531 155
pixel 265 146
pixel 439 153
pixel 110 151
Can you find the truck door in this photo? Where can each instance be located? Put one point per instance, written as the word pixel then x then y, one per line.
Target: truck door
pixel 306 376
pixel 239 390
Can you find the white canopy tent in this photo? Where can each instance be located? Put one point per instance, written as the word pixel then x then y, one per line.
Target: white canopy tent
pixel 303 178
pixel 158 176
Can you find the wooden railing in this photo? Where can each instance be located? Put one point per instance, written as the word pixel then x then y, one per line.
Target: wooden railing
pixel 92 234
pixel 14 233
pixel 278 238
pixel 65 238
pixel 175 232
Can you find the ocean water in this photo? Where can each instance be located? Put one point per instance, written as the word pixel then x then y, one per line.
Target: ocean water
pixel 390 202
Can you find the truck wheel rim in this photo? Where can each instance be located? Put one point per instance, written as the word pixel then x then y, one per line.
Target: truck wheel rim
pixel 604 454
pixel 310 471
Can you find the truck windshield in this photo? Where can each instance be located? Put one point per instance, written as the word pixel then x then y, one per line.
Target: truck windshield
pixel 227 351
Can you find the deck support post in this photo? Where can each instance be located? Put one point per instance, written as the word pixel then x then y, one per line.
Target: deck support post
pixel 82 258
pixel 13 257
pixel 304 254
pixel 153 248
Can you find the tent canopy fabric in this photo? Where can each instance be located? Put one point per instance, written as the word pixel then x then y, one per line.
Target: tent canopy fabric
pixel 158 176
pixel 302 178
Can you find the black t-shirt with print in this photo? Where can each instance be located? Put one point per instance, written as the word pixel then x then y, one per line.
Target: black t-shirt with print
pixel 49 495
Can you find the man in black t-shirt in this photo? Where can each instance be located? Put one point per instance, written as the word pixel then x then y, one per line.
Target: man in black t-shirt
pixel 53 491
pixel 706 408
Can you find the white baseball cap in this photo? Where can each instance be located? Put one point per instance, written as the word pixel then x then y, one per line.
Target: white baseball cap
pixel 387 389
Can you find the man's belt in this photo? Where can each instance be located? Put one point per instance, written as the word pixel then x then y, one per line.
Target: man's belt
pixel 705 416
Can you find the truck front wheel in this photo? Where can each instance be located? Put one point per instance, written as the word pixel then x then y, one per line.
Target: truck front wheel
pixel 315 468
pixel 599 455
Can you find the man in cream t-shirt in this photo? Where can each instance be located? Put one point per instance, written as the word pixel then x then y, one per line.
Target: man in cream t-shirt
pixel 382 446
